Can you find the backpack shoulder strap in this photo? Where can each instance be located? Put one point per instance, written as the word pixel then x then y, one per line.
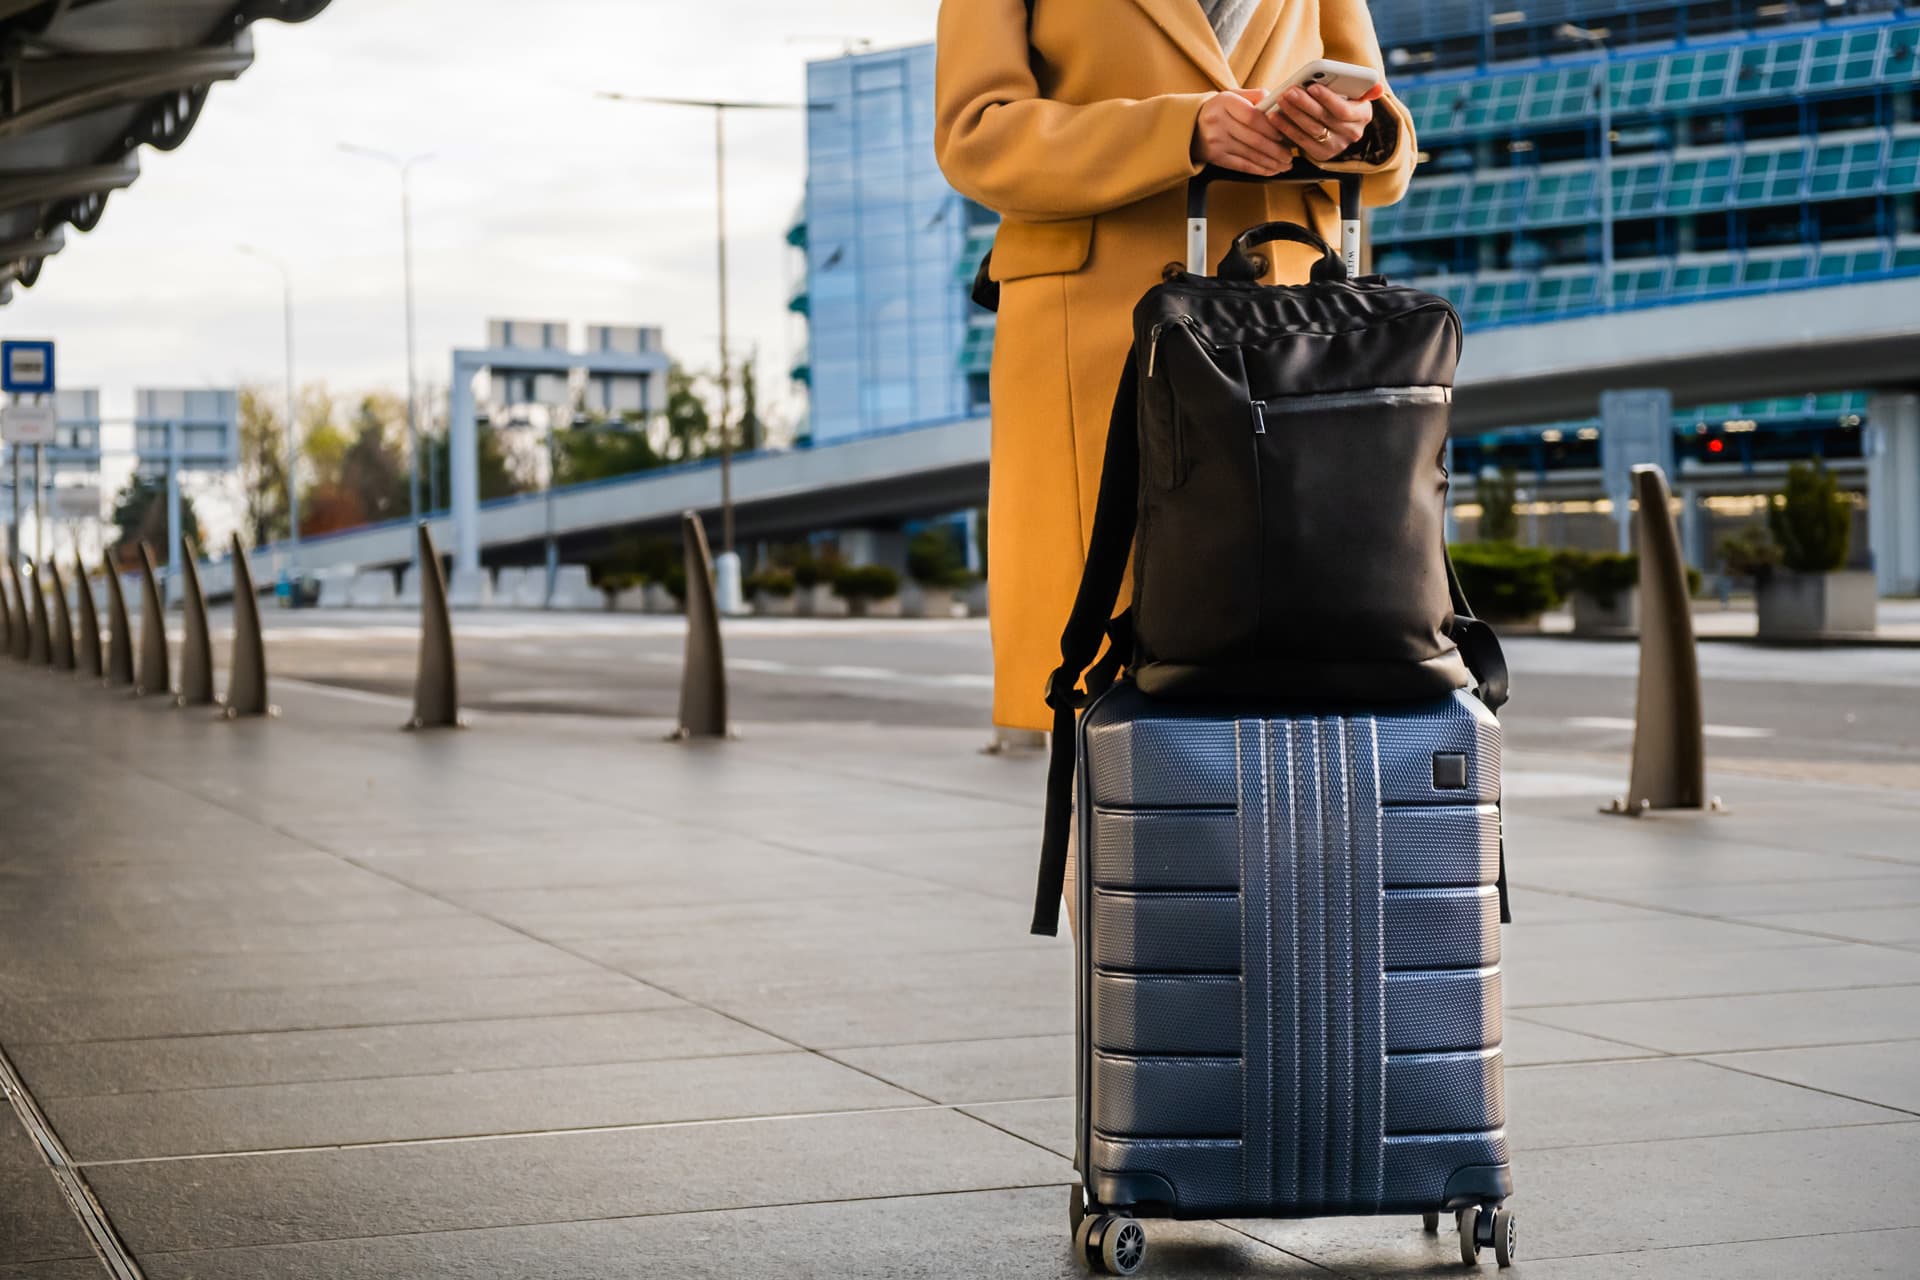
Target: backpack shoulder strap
pixel 1092 621
pixel 1487 663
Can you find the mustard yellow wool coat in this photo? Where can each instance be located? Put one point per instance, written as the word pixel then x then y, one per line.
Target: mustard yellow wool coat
pixel 1084 150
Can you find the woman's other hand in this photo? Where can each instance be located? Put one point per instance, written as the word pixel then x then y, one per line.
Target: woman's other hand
pixel 1321 122
pixel 1233 134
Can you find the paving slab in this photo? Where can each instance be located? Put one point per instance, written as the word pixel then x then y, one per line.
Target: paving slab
pixel 128 1017
pixel 914 996
pixel 408 1049
pixel 1543 976
pixel 1018 1233
pixel 1526 1044
pixel 508 957
pixel 1863 1254
pixel 1896 925
pixel 973 1070
pixel 1765 1021
pixel 1045 1122
pixel 1593 1104
pixel 1885 1074
pixel 35 1223
pixel 1578 1201
pixel 227 1202
pixel 477 1104
pixel 88 1268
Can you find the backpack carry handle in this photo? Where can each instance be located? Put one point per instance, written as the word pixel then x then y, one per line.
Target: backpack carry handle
pixel 1240 263
pixel 1301 172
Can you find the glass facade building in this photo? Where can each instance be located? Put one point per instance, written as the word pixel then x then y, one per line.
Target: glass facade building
pixel 1756 146
pixel 883 235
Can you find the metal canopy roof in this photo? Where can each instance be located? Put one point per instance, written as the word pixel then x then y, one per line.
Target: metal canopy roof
pixel 83 84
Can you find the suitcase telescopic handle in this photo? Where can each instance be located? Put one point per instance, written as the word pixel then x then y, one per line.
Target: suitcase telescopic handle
pixel 1301 172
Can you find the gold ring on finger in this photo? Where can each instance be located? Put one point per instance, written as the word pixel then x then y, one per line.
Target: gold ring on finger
pixel 1324 135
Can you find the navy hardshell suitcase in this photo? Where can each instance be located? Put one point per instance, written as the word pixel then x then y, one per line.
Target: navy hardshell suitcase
pixel 1289 968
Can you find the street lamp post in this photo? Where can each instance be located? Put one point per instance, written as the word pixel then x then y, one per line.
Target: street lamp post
pixel 293 430
pixel 1598 40
pixel 727 587
pixel 405 164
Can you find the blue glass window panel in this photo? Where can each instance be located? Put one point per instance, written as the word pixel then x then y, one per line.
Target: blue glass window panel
pixel 1903 164
pixel 1697 183
pixel 1846 168
pixel 1495 204
pixel 1636 187
pixel 1771 70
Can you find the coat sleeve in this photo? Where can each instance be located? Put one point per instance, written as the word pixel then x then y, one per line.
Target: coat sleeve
pixel 1346 28
pixel 1033 159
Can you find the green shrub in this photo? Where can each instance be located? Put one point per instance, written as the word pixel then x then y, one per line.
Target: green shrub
pixel 1812 521
pixel 1749 553
pixel 774 580
pixel 1505 583
pixel 865 582
pixel 1567 565
pixel 675 581
pixel 1606 574
pixel 933 559
pixel 614 583
pixel 1499 521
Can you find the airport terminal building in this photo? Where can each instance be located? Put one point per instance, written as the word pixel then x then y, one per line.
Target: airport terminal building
pixel 1753 147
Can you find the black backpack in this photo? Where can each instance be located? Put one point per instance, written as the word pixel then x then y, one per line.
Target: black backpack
pixel 1276 466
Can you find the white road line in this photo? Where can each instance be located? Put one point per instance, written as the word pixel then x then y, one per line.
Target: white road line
pixel 1623 725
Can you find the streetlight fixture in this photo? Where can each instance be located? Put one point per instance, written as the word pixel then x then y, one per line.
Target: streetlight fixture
pixel 405 164
pixel 293 430
pixel 727 586
pixel 1598 41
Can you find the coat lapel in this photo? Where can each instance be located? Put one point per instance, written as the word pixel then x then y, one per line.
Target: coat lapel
pixel 1187 25
pixel 1253 42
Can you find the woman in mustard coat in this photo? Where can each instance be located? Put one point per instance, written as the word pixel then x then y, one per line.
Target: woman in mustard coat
pixel 1081 134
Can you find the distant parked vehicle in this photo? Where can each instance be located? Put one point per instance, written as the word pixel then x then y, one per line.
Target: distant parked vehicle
pixel 297 591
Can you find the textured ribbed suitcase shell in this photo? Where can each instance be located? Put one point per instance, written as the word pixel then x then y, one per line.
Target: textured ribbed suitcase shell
pixel 1289 959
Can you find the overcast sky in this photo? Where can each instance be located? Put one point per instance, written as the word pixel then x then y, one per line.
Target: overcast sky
pixel 541 203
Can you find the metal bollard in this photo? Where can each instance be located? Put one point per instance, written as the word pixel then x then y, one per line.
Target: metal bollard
pixel 196 649
pixel 155 679
pixel 436 685
pixel 86 635
pixel 7 625
pixel 62 656
pixel 247 676
pixel 1669 734
pixel 39 642
pixel 119 672
pixel 703 679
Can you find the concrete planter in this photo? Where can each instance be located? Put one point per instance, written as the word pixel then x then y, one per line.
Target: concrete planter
pixel 928 602
pixel 1817 606
pixel 864 608
pixel 659 599
pixel 629 600
pixel 1597 619
pixel 818 601
pixel 768 605
pixel 977 600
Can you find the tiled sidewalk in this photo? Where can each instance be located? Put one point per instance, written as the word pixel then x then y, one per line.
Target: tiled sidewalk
pixel 550 998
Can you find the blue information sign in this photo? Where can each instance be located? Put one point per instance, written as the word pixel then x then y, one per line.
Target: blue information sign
pixel 26 368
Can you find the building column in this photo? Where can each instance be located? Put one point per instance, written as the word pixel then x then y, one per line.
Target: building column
pixel 1893 490
pixel 463 477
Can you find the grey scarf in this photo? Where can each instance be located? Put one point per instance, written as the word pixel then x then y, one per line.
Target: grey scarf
pixel 1229 19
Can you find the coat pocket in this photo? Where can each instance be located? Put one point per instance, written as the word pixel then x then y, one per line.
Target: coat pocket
pixel 1022 249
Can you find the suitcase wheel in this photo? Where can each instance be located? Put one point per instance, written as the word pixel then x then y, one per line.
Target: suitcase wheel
pixel 1486 1226
pixel 1111 1245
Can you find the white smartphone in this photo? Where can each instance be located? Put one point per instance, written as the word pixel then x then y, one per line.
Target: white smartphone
pixel 1347 79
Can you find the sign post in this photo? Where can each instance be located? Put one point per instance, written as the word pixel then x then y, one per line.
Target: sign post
pixel 26 369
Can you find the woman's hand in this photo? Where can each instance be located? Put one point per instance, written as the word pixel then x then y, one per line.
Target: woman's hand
pixel 1233 134
pixel 1321 122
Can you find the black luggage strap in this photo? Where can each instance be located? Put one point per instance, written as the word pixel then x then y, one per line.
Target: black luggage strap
pixel 1487 663
pixel 1092 620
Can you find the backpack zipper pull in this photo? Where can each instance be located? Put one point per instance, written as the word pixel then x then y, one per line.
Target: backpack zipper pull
pixel 1259 417
pixel 1153 339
